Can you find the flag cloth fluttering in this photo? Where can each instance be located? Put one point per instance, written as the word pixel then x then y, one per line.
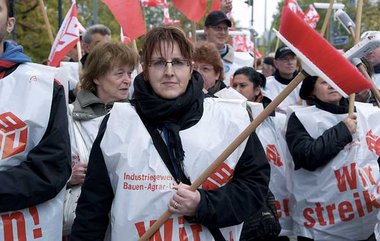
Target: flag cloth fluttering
pixel 67 37
pixel 194 10
pixel 318 56
pixel 215 6
pixel 129 15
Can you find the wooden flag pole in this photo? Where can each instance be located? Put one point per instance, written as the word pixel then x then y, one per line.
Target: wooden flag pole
pixel 277 44
pixel 47 23
pixel 231 148
pixel 327 18
pixel 358 20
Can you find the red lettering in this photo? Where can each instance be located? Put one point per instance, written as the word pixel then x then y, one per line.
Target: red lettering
pixel 358 204
pixel 278 206
pixel 168 230
pixel 373 142
pixel 368 172
pixel 196 229
pixel 8 226
pixel 13 135
pixel 319 210
pixel 221 176
pixel 273 155
pixel 344 208
pixel 37 232
pixel 182 232
pixel 348 176
pixel 330 209
pixel 363 179
pixel 307 212
pixel 284 208
pixel 370 201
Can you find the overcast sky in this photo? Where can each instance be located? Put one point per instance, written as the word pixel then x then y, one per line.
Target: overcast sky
pixel 242 13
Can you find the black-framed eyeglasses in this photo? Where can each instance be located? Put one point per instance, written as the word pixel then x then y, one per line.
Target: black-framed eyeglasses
pixel 177 64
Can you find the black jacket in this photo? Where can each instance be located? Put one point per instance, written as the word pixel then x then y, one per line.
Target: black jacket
pixel 226 206
pixel 47 167
pixel 309 153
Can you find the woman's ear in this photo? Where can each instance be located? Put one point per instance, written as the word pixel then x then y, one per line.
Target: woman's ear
pixel 191 67
pixel 96 81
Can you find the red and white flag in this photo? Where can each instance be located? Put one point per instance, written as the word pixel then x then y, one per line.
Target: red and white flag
pixel 311 16
pixel 67 37
pixel 167 19
pixel 129 15
pixel 194 10
pixel 293 5
pixel 316 55
pixel 153 3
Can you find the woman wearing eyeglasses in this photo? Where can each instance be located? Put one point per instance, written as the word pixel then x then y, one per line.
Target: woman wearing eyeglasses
pixel 147 154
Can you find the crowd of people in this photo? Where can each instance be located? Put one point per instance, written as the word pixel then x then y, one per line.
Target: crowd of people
pixel 104 158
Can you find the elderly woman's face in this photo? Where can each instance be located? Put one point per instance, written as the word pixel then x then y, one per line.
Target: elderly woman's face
pixel 169 73
pixel 324 92
pixel 210 76
pixel 114 85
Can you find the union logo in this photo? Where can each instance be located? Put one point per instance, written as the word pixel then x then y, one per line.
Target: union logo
pixel 13 135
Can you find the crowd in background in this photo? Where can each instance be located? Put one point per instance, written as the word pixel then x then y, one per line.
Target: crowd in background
pixel 137 128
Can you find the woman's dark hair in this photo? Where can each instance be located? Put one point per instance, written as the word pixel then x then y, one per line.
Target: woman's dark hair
pixel 307 87
pixel 255 77
pixel 164 34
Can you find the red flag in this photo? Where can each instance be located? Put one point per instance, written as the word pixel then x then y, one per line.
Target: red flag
pixel 215 6
pixel 67 37
pixel 293 5
pixel 129 15
pixel 123 38
pixel 318 56
pixel 311 16
pixel 194 10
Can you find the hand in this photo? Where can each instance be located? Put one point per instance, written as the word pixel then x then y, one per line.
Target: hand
pixel 351 123
pixel 78 173
pixel 184 201
pixel 363 96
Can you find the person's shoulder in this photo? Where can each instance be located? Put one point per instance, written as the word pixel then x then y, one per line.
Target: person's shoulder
pixel 226 107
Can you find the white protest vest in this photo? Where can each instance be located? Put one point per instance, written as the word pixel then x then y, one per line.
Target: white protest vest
pixel 271 135
pixel 339 201
pixel 82 136
pixel 273 88
pixel 141 181
pixel 26 99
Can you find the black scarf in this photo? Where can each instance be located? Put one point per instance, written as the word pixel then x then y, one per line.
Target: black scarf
pixel 282 80
pixel 342 108
pixel 171 115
